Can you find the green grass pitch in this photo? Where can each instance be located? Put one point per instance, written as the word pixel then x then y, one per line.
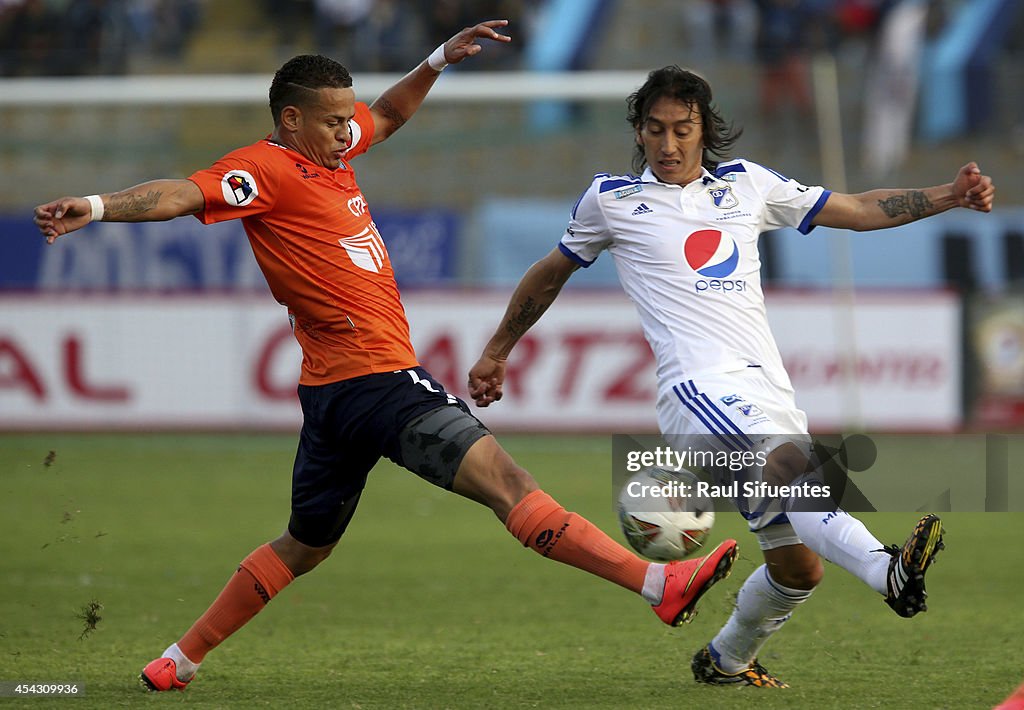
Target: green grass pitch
pixel 429 603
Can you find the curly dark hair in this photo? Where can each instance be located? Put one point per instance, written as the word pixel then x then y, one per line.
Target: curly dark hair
pixel 674 82
pixel 297 79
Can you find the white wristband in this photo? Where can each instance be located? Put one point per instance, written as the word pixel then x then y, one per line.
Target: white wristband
pixel 97 207
pixel 436 59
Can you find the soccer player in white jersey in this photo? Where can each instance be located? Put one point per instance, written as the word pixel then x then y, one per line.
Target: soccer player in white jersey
pixel 683 236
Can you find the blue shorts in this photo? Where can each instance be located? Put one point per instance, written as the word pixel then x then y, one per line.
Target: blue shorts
pixel 405 416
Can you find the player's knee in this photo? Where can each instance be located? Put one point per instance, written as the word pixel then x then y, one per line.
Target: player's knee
pixel 509 484
pixel 784 465
pixel 489 475
pixel 514 484
pixel 298 557
pixel 799 573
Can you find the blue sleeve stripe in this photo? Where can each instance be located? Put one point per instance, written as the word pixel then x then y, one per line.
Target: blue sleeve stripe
pixel 612 184
pixel 578 201
pixel 805 225
pixel 727 168
pixel 573 256
pixel 580 198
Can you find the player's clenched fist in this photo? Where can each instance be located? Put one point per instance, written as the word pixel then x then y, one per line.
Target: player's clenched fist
pixel 485 380
pixel 974 190
pixel 62 216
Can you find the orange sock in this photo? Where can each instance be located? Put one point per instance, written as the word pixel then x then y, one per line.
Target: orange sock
pixel 539 522
pixel 258 580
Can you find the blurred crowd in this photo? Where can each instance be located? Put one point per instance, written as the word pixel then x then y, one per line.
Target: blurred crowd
pixel 77 37
pixel 389 35
pixel 781 36
pixel 74 37
pixel 773 40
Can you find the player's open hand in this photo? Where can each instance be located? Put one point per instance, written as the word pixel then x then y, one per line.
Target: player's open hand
pixel 485 380
pixel 464 44
pixel 974 190
pixel 61 216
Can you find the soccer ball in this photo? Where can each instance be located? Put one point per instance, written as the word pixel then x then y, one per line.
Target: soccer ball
pixel 661 515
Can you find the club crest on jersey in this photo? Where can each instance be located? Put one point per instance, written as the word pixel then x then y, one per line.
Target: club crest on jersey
pixel 239 188
pixel 627 191
pixel 723 197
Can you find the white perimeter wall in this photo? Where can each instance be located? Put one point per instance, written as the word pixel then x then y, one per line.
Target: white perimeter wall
pixel 94 362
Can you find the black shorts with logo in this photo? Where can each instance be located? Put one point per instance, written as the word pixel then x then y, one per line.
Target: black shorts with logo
pixel 405 416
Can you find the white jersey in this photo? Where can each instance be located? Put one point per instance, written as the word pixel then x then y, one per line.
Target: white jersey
pixel 687 256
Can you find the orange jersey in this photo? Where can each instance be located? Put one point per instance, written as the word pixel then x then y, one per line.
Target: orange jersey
pixel 322 256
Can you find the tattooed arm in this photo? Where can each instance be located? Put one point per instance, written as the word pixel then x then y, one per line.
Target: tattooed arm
pixel 154 201
pixel 536 291
pixel 877 209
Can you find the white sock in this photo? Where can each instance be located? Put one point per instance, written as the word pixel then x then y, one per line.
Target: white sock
pixel 183 667
pixel 843 540
pixel 762 607
pixel 654 584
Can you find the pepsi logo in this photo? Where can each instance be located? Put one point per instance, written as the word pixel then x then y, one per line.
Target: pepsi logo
pixel 711 253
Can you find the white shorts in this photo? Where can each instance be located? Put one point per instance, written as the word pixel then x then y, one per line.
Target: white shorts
pixel 741 410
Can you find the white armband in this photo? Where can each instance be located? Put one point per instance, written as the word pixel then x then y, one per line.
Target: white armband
pixel 436 59
pixel 97 207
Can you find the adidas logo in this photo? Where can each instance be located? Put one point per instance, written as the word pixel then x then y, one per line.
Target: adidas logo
pixel 642 209
pixel 897 578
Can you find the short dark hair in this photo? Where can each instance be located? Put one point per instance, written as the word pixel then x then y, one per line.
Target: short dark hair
pixel 676 83
pixel 301 75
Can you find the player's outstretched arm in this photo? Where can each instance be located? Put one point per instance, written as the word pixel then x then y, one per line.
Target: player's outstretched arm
pixel 398 103
pixel 537 290
pixel 878 209
pixel 154 201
